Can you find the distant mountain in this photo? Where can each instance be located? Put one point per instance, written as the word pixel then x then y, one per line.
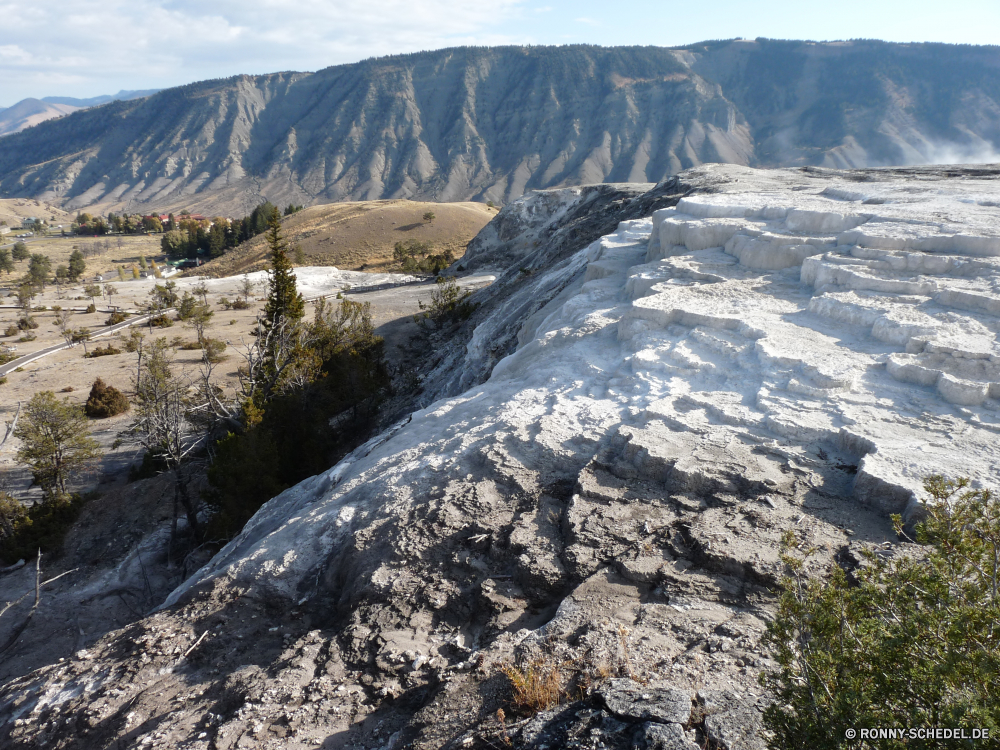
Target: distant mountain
pixel 490 123
pixel 28 112
pixel 95 100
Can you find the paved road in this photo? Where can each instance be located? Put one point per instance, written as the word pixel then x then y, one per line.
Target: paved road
pixel 408 289
pixel 28 358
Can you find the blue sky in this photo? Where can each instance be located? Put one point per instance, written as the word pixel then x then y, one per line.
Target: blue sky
pixel 84 48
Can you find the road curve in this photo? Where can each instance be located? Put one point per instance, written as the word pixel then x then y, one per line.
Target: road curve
pixel 29 358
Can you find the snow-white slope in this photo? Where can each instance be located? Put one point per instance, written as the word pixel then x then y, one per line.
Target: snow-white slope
pixel 801 312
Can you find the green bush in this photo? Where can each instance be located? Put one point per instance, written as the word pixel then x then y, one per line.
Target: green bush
pixel 215 350
pixel 116 317
pixel 911 638
pixel 161 321
pixel 42 526
pixel 27 324
pixel 449 303
pixel 11 330
pixel 104 351
pixel 12 516
pixel 91 308
pixel 105 401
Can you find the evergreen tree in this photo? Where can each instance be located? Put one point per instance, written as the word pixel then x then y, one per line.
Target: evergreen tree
pixel 39 269
pixel 283 299
pixel 217 239
pixel 6 262
pixel 77 265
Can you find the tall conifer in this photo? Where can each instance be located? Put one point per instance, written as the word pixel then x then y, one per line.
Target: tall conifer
pixel 283 298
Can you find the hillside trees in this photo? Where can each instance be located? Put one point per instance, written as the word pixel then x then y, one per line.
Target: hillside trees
pixel 308 393
pixel 55 443
pixel 308 421
pixel 416 257
pixel 909 638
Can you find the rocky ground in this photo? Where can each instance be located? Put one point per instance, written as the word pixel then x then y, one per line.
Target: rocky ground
pixel 592 486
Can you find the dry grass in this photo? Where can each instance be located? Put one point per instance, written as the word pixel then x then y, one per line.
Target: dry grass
pixel 535 687
pixel 361 235
pixel 13 210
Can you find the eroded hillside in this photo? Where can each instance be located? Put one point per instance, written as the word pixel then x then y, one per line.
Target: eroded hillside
pixel 490 123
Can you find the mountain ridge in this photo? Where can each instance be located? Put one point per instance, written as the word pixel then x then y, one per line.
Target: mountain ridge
pixel 29 112
pixel 490 123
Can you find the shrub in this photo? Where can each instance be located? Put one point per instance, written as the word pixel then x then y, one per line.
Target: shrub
pixel 116 317
pixel 26 338
pixel 12 516
pixel 42 526
pixel 27 323
pixel 186 345
pixel 11 330
pixel 91 308
pixel 105 401
pixel 448 303
pixel 104 351
pixel 161 321
pixel 908 639
pixel 215 350
pixel 225 303
pixel 240 304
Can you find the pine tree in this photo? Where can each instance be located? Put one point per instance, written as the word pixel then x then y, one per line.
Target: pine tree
pixel 284 303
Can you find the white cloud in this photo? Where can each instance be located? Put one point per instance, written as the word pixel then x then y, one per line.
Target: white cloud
pixel 588 21
pixel 89 47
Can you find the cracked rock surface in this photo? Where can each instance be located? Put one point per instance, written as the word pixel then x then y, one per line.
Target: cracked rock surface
pixel 606 498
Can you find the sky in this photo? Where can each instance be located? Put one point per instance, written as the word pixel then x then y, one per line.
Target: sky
pixel 85 48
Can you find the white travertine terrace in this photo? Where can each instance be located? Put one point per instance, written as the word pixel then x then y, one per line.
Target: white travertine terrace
pixel 790 314
pixel 878 333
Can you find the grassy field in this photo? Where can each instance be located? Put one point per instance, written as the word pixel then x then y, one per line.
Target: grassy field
pixel 103 254
pixel 13 210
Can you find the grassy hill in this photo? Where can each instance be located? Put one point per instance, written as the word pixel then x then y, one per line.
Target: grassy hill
pixel 360 236
pixel 13 210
